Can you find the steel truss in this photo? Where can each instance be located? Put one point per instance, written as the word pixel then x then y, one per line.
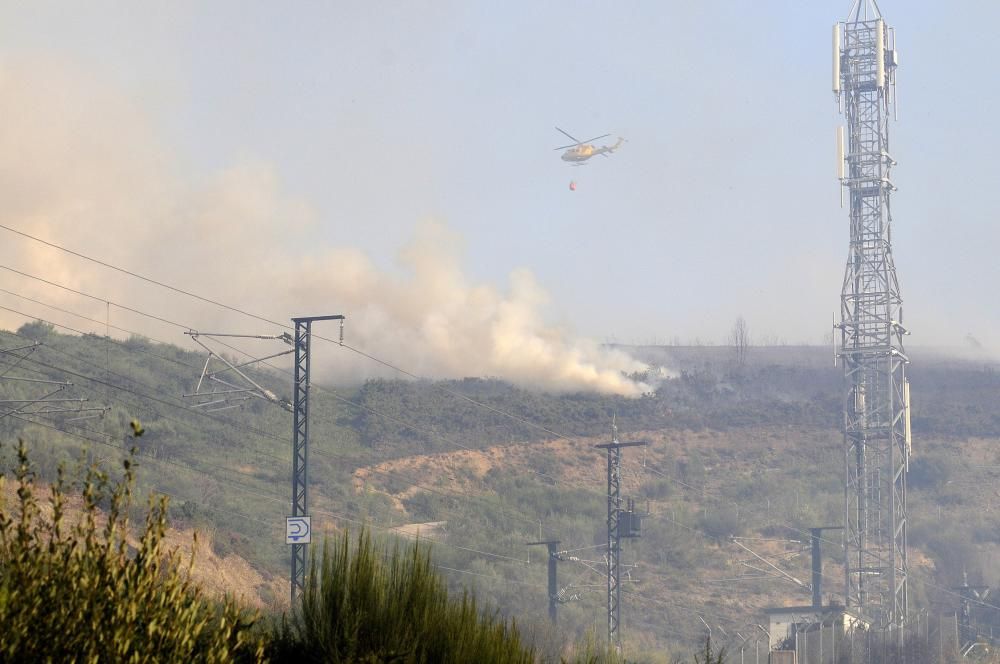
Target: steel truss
pixel 615 533
pixel 299 407
pixel 876 391
pixel 300 439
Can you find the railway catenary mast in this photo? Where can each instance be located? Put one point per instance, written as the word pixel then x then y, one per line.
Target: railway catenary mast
pixel 876 391
pixel 622 523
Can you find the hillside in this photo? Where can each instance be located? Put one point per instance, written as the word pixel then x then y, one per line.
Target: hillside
pixel 752 451
pixel 218 575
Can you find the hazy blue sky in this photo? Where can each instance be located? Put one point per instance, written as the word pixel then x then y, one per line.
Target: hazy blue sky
pixel 723 201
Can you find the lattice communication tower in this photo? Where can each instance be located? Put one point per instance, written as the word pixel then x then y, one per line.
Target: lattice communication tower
pixel 876 390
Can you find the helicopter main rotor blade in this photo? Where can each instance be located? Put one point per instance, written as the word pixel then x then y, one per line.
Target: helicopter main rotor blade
pixel 567 135
pixel 566 147
pixel 596 138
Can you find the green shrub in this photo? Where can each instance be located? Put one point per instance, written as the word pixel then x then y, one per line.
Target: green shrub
pixel 709 655
pixel 928 472
pixel 78 592
pixel 594 651
pixel 367 603
pixel 658 489
pixel 721 523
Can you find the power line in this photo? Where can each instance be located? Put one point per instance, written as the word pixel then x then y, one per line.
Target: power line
pixel 391 530
pixel 801 531
pixel 336 396
pixel 454 393
pixel 201 504
pixel 333 393
pixel 156 399
pixel 430 432
pixel 273 526
pixel 93 320
pixel 141 277
pixel 275 499
pixel 148 456
pixel 93 297
pixel 488 576
pixel 251 315
pixel 499 556
pixel 283 325
pixel 260 318
pixel 266 320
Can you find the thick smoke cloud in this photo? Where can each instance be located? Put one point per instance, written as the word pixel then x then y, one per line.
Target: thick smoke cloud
pixel 82 166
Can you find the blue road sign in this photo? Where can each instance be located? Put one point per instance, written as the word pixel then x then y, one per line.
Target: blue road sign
pixel 298 530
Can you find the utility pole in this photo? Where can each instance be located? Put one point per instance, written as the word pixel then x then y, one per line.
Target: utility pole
pixel 817 563
pixel 300 440
pixel 553 586
pixel 632 527
pixel 298 525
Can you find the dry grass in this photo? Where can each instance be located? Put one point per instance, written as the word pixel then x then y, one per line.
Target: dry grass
pixel 218 577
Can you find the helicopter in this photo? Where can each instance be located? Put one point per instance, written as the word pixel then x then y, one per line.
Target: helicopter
pixel 579 151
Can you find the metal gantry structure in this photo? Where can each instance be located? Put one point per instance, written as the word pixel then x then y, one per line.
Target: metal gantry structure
pixel 815 539
pixel 621 523
pixel 232 393
pixel 876 391
pixel 43 405
pixel 300 439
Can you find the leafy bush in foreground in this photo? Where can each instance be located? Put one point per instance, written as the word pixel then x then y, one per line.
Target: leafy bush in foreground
pixel 369 604
pixel 76 592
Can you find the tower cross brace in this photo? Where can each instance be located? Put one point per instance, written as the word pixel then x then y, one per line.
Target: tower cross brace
pixel 876 392
pixel 614 449
pixel 300 441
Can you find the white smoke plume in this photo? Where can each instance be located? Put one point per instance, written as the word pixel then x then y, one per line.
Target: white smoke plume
pixel 81 165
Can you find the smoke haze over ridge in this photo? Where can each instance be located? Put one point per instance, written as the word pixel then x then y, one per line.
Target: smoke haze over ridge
pixel 357 124
pixel 83 167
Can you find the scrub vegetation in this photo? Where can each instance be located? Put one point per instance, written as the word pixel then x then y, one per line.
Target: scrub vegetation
pixel 748 450
pixel 75 589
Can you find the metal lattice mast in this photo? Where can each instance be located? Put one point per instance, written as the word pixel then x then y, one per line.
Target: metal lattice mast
pixel 615 513
pixel 876 392
pixel 300 441
pixel 300 448
pixel 614 539
pixel 238 386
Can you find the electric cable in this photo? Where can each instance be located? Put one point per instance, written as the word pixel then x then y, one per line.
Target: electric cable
pixel 272 322
pixel 200 504
pixel 318 453
pixel 826 540
pixel 163 401
pixel 333 393
pixel 257 317
pixel 141 277
pixel 315 511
